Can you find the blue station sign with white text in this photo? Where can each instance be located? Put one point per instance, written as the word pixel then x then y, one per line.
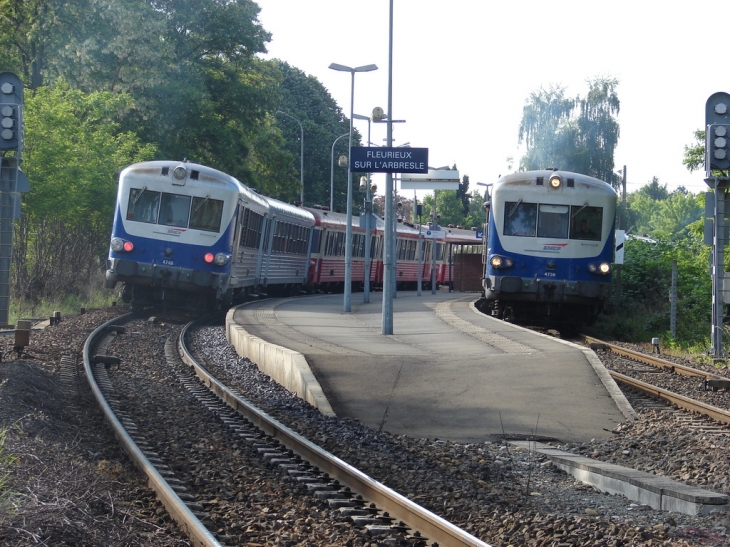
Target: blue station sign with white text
pixel 372 159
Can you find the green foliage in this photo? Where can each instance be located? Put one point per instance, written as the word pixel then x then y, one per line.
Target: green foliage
pixel 74 150
pixel 305 98
pixel 577 135
pixel 645 285
pixel 656 213
pixel 694 154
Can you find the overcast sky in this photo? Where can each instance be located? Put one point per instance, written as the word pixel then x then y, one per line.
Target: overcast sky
pixel 463 70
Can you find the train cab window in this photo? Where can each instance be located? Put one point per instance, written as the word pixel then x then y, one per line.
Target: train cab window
pixel 520 219
pixel 553 221
pixel 143 205
pixel 586 222
pixel 206 214
pixel 174 210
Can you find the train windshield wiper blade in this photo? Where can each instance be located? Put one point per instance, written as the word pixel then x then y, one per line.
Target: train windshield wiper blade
pixel 201 203
pixel 579 210
pixel 512 212
pixel 138 196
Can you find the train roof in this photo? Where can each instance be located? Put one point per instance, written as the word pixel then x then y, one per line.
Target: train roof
pixel 194 171
pixel 292 211
pixel 532 178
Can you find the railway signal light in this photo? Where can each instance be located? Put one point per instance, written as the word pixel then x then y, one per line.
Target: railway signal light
pixel 11 112
pixel 717 132
pixel 718 147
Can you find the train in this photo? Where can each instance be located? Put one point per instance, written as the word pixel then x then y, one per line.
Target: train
pixel 193 236
pixel 548 247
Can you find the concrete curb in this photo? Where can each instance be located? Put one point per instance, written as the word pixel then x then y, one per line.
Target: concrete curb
pixel 657 492
pixel 288 368
pixel 608 382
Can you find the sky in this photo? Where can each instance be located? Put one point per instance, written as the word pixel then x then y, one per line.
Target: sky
pixel 463 70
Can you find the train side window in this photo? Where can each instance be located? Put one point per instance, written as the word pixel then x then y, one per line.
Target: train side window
pixel 206 214
pixel 314 247
pixel 520 219
pixel 553 221
pixel 143 205
pixel 586 222
pixel 174 210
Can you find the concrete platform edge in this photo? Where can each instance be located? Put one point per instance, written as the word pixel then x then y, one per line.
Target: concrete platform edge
pixel 288 368
pixel 657 492
pixel 609 383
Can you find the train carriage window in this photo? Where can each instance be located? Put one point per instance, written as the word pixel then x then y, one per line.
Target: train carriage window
pixel 520 219
pixel 314 247
pixel 143 205
pixel 206 214
pixel 553 221
pixel 174 210
pixel 586 222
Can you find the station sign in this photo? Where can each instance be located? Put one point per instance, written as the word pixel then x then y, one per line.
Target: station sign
pixel 374 159
pixel 433 179
pixel 434 234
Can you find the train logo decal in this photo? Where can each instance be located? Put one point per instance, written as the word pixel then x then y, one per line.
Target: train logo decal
pixel 554 247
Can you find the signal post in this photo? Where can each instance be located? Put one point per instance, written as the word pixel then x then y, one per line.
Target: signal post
pixel 717 170
pixel 13 181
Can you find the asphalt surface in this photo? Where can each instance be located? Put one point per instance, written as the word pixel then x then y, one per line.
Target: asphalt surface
pixel 447 372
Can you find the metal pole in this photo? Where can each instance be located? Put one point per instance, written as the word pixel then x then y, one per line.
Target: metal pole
pixel 717 270
pixel 368 213
pixel 419 247
pixel 332 172
pixel 347 306
pixel 387 315
pixel 673 302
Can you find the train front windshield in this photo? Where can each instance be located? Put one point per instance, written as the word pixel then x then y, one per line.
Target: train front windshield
pixel 180 211
pixel 553 221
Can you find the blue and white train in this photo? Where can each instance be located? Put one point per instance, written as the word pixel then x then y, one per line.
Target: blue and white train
pixel 189 234
pixel 550 244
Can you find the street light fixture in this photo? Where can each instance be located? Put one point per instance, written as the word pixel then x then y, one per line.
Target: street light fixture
pixel 301 156
pixel 348 232
pixel 332 172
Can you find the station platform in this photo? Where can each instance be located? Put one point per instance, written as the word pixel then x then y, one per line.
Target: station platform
pixel 447 371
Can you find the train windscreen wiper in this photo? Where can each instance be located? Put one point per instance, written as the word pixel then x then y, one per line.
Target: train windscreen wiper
pixel 512 212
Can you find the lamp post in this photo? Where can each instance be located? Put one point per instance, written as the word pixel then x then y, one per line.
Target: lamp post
pixel 368 216
pixel 332 172
pixel 387 314
pixel 348 232
pixel 301 155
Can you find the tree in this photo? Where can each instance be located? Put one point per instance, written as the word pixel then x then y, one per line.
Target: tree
pixel 74 150
pixel 694 154
pixel 577 135
pixel 305 98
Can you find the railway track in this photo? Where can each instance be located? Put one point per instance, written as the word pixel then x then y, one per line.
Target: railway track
pixel 298 463
pixel 685 395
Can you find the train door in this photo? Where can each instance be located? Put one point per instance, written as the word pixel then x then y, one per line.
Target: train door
pixel 268 249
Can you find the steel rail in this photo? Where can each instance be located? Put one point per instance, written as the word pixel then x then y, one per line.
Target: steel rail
pixel 653 361
pixel 681 401
pixel 435 528
pixel 177 509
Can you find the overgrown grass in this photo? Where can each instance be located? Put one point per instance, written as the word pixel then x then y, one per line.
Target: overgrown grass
pixel 68 305
pixel 6 462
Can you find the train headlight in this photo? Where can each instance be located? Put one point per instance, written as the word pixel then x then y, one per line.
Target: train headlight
pixel 555 182
pixel 179 172
pixel 219 259
pixel 118 245
pixel 500 262
pixel 604 268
